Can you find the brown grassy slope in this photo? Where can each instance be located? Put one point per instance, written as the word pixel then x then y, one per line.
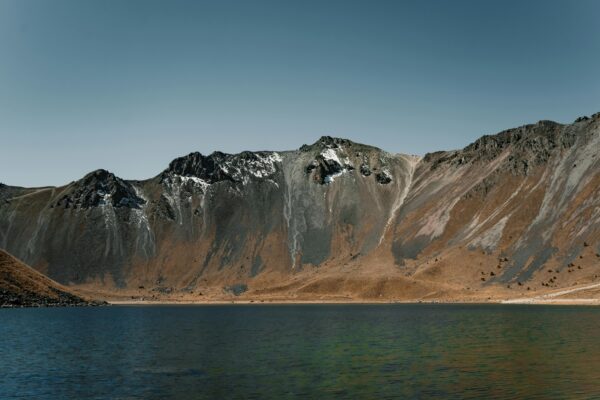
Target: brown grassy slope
pixel 21 285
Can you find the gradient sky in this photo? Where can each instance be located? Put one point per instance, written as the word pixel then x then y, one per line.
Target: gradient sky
pixel 129 85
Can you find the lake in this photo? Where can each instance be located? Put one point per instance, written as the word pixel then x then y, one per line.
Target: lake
pixel 301 351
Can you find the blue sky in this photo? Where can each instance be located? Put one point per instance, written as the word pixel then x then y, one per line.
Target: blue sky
pixel 129 85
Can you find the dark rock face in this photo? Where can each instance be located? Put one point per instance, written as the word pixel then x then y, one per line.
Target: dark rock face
pixel 327 142
pixel 324 169
pixel 531 145
pixel 327 163
pixel 365 170
pixel 218 167
pixel 383 177
pixel 195 164
pixel 101 188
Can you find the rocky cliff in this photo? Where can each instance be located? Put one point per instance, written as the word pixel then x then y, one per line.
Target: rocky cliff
pixel 503 211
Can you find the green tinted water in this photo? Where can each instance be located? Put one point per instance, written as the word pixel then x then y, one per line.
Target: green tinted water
pixel 301 351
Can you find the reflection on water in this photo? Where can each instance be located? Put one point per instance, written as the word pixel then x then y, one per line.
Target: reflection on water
pixel 312 351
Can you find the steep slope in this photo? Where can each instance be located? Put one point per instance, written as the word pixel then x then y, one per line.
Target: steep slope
pixel 500 213
pixel 22 286
pixel 514 205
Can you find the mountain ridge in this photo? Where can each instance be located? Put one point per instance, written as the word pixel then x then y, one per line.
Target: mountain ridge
pixel 261 218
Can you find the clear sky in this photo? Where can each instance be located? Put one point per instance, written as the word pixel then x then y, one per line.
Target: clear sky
pixel 130 85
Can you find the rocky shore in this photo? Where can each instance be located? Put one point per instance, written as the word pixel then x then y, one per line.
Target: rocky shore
pixel 20 300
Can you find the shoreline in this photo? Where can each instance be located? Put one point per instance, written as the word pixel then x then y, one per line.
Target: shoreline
pixel 584 294
pixel 528 301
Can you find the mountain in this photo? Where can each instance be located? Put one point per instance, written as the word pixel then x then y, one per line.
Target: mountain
pixel 513 212
pixel 22 286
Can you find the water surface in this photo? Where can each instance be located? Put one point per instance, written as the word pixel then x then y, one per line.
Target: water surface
pixel 301 351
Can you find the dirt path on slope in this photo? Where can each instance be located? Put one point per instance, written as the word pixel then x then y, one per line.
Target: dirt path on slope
pixel 550 296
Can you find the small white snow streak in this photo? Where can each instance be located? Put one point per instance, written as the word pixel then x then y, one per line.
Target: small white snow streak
pixel 110 222
pixel 274 157
pixel 173 196
pixel 197 181
pixel 41 222
pixel 331 178
pixel 386 173
pixel 293 231
pixel 146 236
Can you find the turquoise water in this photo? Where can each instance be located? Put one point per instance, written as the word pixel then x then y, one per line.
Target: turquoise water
pixel 301 351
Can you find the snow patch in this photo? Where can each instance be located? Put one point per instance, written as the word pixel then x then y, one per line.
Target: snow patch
pixel 196 181
pixel 331 155
pixel 261 167
pixel 113 235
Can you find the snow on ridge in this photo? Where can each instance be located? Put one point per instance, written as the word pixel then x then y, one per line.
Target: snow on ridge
pixel 263 166
pixel 273 157
pixel 330 154
pixel 386 172
pixel 197 181
pixel 106 196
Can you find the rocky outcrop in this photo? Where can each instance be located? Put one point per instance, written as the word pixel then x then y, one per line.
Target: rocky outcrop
pixel 219 166
pixel 530 146
pixel 335 156
pixel 100 188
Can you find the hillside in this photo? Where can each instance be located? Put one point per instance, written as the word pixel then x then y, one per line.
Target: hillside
pixel 22 286
pixel 511 214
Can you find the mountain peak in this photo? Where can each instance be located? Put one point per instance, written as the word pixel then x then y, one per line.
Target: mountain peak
pixel 98 188
pixel 333 142
pixel 330 142
pixel 99 174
